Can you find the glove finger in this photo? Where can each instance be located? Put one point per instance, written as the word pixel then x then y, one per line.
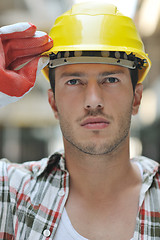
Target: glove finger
pixel 35 65
pixel 2 55
pixel 21 53
pixel 19 82
pixel 18 30
pixel 21 62
pixel 39 39
pixel 16 85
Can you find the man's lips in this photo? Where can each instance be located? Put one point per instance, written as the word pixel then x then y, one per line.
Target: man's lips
pixel 95 123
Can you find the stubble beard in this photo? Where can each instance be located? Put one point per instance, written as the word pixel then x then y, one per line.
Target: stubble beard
pixel 92 148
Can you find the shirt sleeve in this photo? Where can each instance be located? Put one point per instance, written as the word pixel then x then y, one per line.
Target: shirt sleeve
pixel 6 219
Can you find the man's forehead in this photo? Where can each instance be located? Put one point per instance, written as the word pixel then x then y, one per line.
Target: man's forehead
pixel 86 69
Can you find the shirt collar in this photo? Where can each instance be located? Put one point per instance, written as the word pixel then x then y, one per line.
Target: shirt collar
pixel 52 163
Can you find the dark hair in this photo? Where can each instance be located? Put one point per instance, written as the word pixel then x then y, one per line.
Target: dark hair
pixel 133 73
pixel 52 78
pixel 134 77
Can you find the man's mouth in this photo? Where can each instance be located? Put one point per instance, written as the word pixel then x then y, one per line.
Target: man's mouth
pixel 95 123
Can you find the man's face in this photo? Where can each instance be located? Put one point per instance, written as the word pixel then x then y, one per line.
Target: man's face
pixel 94 104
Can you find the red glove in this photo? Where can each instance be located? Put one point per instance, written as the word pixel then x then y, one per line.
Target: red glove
pixel 20 59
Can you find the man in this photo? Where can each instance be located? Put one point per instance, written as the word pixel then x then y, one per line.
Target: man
pixel 93 190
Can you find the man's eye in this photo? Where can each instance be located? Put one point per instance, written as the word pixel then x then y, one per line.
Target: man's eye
pixel 73 82
pixel 111 80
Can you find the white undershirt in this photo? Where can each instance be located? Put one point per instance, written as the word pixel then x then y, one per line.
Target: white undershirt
pixel 66 230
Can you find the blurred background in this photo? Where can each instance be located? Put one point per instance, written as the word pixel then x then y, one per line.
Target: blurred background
pixel 28 129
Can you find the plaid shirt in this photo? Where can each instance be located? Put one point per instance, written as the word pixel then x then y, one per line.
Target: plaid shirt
pixel 33 195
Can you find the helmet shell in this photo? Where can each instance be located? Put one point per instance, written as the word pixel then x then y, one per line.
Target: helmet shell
pixel 98 27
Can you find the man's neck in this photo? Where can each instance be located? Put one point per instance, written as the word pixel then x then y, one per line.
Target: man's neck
pixel 98 175
pixel 102 190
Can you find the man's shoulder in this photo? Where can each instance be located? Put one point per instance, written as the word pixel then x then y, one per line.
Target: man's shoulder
pixel 33 168
pixel 25 168
pixel 23 177
pixel 151 179
pixel 150 171
pixel 148 165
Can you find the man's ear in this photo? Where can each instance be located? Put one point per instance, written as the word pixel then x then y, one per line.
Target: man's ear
pixel 51 100
pixel 137 98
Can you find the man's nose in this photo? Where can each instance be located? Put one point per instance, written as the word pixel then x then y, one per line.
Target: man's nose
pixel 93 96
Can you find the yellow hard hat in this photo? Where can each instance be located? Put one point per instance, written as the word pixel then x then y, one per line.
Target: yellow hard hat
pixel 101 28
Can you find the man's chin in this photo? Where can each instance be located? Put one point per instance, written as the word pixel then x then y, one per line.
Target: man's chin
pixel 95 150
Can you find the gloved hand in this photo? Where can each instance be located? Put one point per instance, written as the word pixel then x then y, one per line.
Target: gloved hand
pixel 20 59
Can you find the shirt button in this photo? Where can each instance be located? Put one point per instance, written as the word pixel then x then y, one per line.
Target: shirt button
pixel 61 193
pixel 46 233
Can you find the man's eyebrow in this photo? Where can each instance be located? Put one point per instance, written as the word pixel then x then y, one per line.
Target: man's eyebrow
pixel 107 73
pixel 82 74
pixel 72 74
